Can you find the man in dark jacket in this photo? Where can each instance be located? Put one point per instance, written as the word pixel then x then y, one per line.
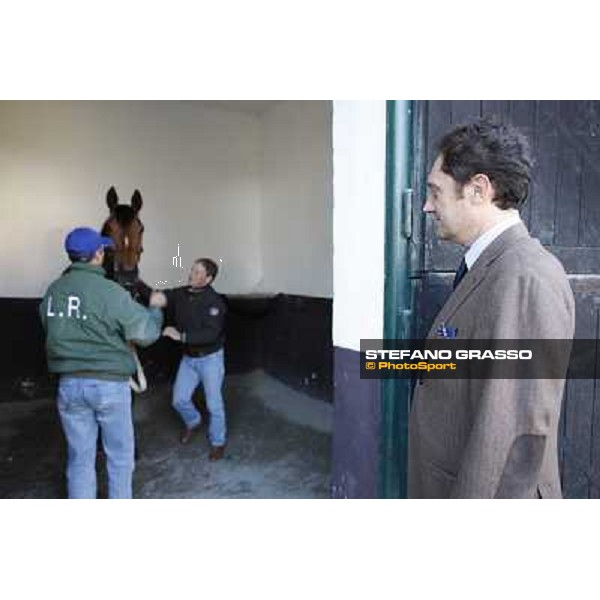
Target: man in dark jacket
pixel 90 323
pixel 200 323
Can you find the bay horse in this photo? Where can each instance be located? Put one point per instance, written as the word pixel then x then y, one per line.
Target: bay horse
pixel 126 230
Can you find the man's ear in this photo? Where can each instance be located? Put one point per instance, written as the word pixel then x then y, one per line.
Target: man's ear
pixel 481 188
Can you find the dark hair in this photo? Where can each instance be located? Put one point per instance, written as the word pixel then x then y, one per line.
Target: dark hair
pixel 499 151
pixel 81 258
pixel 209 265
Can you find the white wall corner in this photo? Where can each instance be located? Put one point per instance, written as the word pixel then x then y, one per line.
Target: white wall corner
pixel 359 137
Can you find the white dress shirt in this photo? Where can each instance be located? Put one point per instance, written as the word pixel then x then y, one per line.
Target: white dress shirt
pixel 485 239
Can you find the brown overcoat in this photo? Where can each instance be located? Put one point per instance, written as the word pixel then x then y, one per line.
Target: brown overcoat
pixel 486 438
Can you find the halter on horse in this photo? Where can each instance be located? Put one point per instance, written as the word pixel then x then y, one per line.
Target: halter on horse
pixel 126 230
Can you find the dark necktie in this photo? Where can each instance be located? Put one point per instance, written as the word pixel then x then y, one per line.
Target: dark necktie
pixel 462 271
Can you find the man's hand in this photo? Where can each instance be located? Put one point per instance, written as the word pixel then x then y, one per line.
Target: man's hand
pixel 172 333
pixel 158 299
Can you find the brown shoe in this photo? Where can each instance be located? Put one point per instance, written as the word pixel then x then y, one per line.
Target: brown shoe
pixel 216 452
pixel 187 434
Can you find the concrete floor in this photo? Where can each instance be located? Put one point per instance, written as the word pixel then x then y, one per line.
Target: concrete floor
pixel 279 447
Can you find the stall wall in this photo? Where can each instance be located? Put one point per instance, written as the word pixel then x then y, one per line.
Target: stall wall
pixel 197 167
pixel 251 188
pixel 297 196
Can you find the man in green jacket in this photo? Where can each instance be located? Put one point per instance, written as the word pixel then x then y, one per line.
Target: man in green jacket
pixel 91 324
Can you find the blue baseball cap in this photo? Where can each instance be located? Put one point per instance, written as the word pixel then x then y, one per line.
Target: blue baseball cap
pixel 84 242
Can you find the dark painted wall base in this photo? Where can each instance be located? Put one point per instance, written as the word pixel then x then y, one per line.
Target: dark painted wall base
pixel 356 425
pixel 287 336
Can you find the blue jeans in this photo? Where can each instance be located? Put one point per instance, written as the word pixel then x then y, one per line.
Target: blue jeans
pixel 210 370
pixel 84 406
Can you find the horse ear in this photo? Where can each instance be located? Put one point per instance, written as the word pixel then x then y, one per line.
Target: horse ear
pixel 111 198
pixel 136 201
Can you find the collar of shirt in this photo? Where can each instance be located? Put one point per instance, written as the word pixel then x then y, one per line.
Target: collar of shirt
pixel 197 290
pixel 485 239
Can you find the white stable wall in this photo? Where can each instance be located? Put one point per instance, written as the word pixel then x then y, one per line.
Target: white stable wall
pixel 197 167
pixel 297 196
pixel 251 189
pixel 359 129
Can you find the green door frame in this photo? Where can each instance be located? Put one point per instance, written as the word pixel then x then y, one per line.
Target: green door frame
pixel 395 394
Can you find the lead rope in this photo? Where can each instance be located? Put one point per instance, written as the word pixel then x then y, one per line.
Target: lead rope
pixel 141 378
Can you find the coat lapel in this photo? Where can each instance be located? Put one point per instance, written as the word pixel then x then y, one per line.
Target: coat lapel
pixel 478 273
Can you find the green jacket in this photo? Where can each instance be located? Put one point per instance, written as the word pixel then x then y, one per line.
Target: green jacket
pixel 88 320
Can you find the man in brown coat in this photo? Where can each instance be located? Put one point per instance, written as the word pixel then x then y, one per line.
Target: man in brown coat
pixel 490 438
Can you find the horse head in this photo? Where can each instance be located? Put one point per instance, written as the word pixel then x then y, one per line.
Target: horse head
pixel 126 230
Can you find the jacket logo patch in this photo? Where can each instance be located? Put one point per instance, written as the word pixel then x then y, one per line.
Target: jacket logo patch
pixel 73 305
pixel 214 311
